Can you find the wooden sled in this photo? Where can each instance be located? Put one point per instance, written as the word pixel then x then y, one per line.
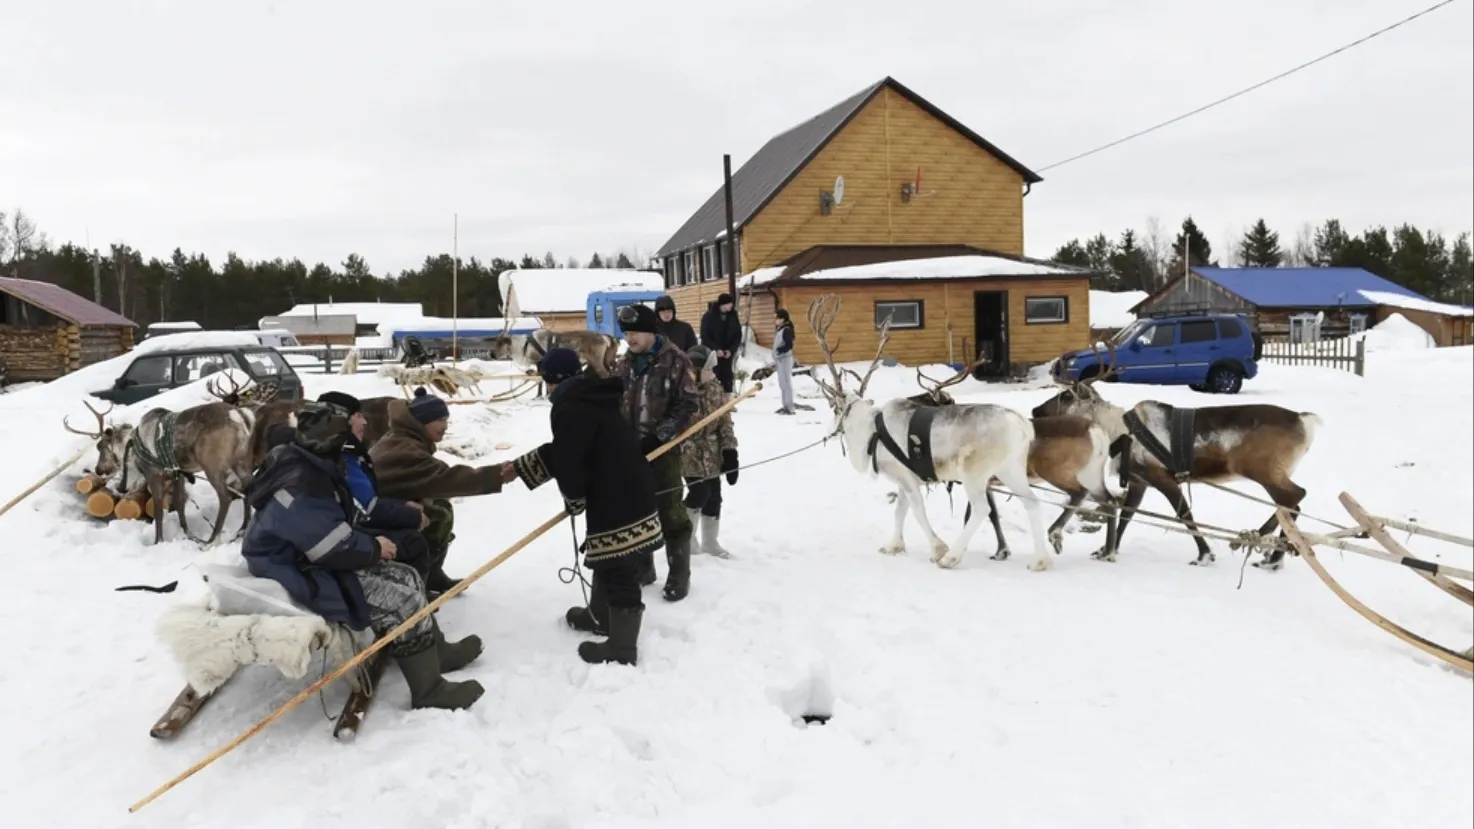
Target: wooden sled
pixel 1375 527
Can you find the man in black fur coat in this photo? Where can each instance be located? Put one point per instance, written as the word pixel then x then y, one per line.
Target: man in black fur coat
pixel 595 459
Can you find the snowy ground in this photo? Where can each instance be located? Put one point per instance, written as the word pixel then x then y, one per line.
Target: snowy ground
pixel 1144 693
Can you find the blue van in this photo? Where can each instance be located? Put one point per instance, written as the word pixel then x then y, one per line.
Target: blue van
pixel 603 307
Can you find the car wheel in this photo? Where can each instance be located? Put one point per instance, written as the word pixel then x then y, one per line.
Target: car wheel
pixel 1225 380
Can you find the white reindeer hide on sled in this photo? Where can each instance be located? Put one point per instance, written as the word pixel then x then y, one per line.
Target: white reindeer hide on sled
pixel 211 647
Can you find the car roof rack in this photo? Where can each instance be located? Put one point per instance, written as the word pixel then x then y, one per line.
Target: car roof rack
pixel 1190 311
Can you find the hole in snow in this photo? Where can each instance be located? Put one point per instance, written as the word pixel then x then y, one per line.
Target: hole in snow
pixel 808 701
pixel 815 719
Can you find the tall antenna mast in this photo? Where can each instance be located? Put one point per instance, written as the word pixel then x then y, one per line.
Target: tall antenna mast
pixel 455 290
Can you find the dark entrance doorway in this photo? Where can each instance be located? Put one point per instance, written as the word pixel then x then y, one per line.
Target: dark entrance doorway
pixel 990 332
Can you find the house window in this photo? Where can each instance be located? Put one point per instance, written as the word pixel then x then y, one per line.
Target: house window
pixel 670 272
pixel 726 254
pixel 1039 310
pixel 709 262
pixel 1304 328
pixel 691 274
pixel 903 314
pixel 1358 323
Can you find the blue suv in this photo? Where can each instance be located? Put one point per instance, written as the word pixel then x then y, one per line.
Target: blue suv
pixel 1207 352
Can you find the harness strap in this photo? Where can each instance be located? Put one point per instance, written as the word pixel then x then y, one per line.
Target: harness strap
pixel 1179 459
pixel 918 435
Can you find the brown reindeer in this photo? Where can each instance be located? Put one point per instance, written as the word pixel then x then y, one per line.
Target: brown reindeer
pixel 375 410
pixel 1069 453
pixel 1166 446
pixel 166 448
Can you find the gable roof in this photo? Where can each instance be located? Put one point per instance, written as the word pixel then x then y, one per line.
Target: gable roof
pixel 566 290
pixel 905 263
pixel 59 302
pixel 762 176
pixel 1303 287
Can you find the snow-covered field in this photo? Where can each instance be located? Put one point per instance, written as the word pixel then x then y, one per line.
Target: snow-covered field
pixel 1144 693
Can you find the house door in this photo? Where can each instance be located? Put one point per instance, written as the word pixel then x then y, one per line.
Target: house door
pixel 990 333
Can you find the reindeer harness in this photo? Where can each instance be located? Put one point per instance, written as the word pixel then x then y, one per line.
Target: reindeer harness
pixel 162 459
pixel 1179 459
pixel 918 441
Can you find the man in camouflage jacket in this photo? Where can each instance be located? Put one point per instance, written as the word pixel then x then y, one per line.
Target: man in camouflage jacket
pixel 660 398
pixel 708 455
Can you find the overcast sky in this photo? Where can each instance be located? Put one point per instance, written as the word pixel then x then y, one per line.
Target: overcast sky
pixel 314 129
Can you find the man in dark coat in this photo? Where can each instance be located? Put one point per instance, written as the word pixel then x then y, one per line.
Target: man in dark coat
pixel 675 330
pixel 721 332
pixel 596 459
pixel 660 399
pixel 305 535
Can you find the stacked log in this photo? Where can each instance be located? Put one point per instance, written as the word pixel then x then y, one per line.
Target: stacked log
pixel 131 506
pixel 148 507
pixel 100 503
pixel 90 483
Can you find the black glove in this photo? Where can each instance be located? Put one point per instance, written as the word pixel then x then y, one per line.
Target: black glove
pixel 649 443
pixel 729 465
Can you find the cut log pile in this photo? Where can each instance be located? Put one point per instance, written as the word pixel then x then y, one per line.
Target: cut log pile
pixel 101 502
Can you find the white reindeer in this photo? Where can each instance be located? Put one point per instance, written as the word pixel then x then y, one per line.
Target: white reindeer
pixel 970 444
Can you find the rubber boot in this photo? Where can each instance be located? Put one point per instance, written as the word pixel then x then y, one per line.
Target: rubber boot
pixel 624 635
pixel 647 568
pixel 678 580
pixel 695 515
pixel 428 689
pixel 438 582
pixel 710 526
pixel 455 655
pixel 594 618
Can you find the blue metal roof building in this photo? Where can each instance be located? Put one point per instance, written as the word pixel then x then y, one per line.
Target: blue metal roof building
pixel 1303 287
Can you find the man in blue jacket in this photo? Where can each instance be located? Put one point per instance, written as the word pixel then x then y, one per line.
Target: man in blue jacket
pixel 306 534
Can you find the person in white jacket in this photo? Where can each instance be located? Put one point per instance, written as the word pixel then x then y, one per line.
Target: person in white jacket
pixel 783 360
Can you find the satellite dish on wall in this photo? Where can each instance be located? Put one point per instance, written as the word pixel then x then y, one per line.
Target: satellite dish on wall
pixel 838 189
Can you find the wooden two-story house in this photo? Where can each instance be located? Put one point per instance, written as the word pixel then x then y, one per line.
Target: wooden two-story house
pixel 904 212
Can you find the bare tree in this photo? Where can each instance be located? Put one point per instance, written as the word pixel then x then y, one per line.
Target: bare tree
pixel 1157 247
pixel 121 253
pixel 1232 243
pixel 1302 251
pixel 19 238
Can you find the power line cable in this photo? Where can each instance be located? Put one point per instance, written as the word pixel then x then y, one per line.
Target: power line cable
pixel 1249 89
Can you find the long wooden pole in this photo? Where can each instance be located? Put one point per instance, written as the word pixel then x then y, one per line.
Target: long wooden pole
pixel 37 485
pixel 383 641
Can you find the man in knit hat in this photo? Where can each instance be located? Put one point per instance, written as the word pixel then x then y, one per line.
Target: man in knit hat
pixel 406 466
pixel 659 400
pixel 721 332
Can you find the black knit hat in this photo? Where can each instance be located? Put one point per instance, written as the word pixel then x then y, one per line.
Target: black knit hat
pixel 665 302
pixel 342 400
pixel 639 317
pixel 427 408
pixel 559 364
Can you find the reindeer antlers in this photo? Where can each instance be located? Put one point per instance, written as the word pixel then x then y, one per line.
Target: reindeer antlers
pixel 822 313
pixel 936 386
pixel 231 395
pixel 1108 368
pixel 101 422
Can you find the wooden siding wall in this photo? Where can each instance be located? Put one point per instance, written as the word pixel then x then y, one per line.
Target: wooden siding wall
pixel 944 303
pixel 33 354
pixel 326 339
pixel 756 310
pixel 1275 322
pixel 96 343
pixel 974 198
pixel 564 320
pixel 1196 293
pixel 1445 330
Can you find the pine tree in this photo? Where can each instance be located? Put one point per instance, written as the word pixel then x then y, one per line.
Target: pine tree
pixel 596 261
pixel 1194 245
pixel 1072 253
pixel 549 261
pixel 529 263
pixel 1260 247
pixel 623 261
pixel 1131 264
pixel 1460 279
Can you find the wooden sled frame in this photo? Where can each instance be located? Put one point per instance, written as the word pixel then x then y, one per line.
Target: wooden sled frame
pixel 189 702
pixel 1376 528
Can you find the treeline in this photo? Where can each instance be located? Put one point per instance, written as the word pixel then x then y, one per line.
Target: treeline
pixel 1422 261
pixel 236 294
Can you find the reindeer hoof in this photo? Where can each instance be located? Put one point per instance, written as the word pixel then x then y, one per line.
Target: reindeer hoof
pixel 1039 565
pixel 949 561
pixel 938 552
pixel 1102 555
pixel 1204 560
pixel 1001 555
pixel 1269 565
pixel 893 549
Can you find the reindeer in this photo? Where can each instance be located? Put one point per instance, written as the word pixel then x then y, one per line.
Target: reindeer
pixel 166 448
pixel 1165 446
pixel 599 352
pixel 969 444
pixel 375 410
pixel 1070 453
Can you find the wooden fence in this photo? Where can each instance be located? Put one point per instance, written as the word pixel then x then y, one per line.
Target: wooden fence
pixel 1339 353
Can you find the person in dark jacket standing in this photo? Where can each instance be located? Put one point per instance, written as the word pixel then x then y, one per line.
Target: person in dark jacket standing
pixel 675 330
pixel 305 535
pixel 596 460
pixel 783 359
pixel 660 398
pixel 721 332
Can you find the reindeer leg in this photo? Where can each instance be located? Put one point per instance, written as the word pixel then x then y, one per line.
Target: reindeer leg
pixel 969 527
pixel 1003 553
pixel 1288 495
pixel 222 497
pixel 1113 539
pixel 156 492
pixel 1057 529
pixel 1135 491
pixel 1167 486
pixel 897 544
pixel 243 477
pixel 939 548
pixel 1016 478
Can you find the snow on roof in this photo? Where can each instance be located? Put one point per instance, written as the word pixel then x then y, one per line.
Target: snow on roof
pixel 1410 303
pixel 761 276
pixel 368 313
pixel 565 290
pixel 196 339
pixel 1112 309
pixel 945 267
pixel 462 324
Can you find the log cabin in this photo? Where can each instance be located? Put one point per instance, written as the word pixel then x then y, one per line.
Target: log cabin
pixel 47 331
pixel 884 176
pixel 1308 304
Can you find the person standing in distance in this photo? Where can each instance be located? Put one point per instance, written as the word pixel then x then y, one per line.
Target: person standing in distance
pixel 721 332
pixel 676 330
pixel 783 360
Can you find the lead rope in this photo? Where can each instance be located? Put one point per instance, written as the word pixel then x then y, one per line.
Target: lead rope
pixel 568 574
